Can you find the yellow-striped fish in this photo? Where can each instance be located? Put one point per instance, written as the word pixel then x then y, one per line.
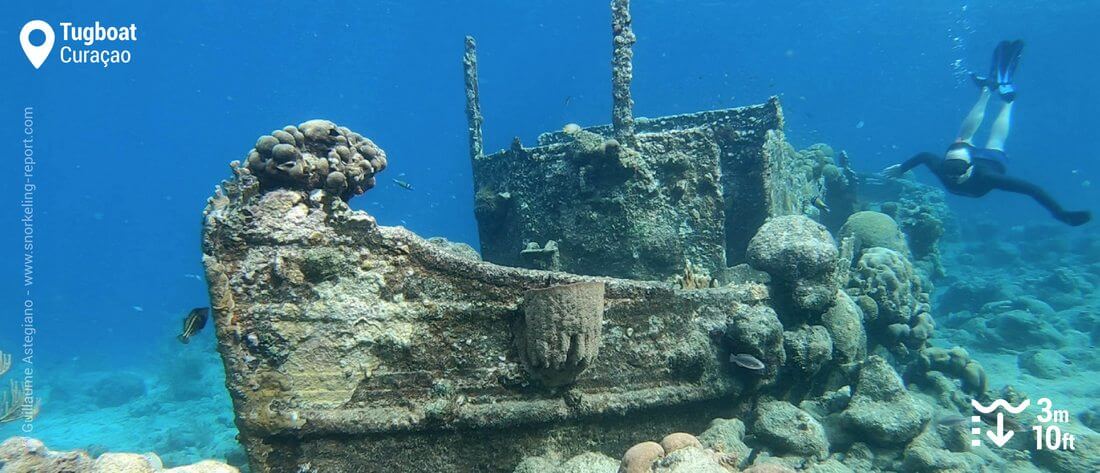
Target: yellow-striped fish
pixel 193 323
pixel 820 203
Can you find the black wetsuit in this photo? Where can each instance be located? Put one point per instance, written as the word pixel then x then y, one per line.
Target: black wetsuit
pixel 988 173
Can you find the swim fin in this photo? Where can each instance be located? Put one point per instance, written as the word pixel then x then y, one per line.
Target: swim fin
pixel 1074 218
pixel 1003 69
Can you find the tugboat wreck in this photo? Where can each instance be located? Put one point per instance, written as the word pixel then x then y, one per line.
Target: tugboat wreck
pixel 621 269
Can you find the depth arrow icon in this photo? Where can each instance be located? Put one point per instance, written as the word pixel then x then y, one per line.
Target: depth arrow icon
pixel 1000 437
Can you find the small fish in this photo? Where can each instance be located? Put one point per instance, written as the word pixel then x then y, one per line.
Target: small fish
pixel 820 203
pixel 568 98
pixel 1086 183
pixel 859 124
pixel 403 184
pixel 746 361
pixel 193 323
pixel 138 308
pixel 952 420
pixel 193 276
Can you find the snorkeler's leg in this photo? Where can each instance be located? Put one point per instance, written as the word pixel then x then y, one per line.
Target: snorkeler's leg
pixel 974 119
pixel 999 132
pixel 1018 186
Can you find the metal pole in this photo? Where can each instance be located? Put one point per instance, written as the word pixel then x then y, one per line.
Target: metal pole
pixel 622 113
pixel 473 101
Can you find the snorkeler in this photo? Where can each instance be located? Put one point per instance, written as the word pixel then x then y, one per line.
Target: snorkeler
pixel 971 171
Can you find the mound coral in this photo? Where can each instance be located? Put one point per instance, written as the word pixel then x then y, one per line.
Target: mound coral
pixel 874 229
pixel 640 458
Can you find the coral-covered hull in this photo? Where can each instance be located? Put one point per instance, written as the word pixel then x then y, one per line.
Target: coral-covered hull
pixel 357 347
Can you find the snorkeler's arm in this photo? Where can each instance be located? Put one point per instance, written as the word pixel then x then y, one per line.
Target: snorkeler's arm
pixel 927 159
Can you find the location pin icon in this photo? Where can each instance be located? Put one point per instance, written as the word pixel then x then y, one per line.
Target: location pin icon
pixel 36 54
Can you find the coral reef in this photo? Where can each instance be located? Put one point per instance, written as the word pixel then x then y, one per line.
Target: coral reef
pixel 316 154
pixel 28 455
pixel 920 211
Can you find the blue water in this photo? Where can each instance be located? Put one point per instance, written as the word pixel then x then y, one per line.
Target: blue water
pixel 127 155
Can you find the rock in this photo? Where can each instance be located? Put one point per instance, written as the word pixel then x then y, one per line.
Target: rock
pixel 828 403
pixel 456 248
pixel 127 463
pixel 1070 461
pixel 844 321
pixel 1046 364
pixel 689 460
pixel 1020 330
pixel 726 436
pixel 756 331
pixel 205 466
pixel 882 411
pixel 971 295
pixel 28 455
pixel 1091 417
pixel 808 348
pixel 832 465
pixel 117 389
pixel 874 229
pixel 928 452
pixel 787 429
pixel 540 465
pixel 800 254
pixel 792 247
pixel 589 462
pixel 768 468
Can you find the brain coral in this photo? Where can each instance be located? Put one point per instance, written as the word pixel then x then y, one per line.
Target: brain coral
pixel 887 278
pixel 316 155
